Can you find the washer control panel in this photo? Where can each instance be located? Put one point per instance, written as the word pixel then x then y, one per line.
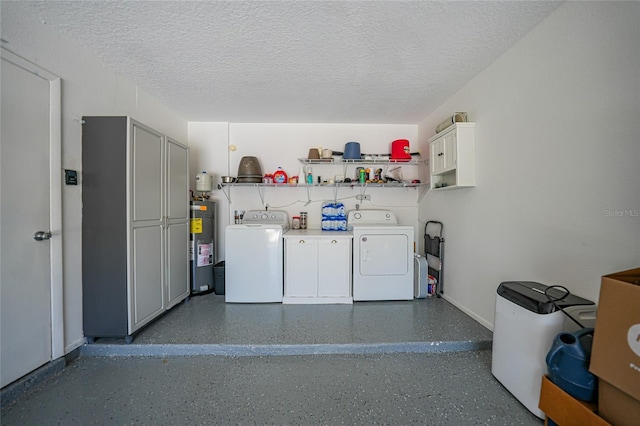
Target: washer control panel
pixel 266 217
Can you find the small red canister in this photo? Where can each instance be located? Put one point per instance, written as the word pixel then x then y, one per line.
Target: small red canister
pixel 400 150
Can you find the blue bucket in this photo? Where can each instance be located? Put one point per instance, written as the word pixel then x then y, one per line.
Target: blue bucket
pixel 352 151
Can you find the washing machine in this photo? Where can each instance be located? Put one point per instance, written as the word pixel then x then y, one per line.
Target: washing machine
pixel 383 257
pixel 254 257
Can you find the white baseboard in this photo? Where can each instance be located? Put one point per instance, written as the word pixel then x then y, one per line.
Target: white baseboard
pixel 74 345
pixel 467 311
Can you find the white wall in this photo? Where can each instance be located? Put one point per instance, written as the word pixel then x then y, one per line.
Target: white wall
pixel 558 119
pixel 282 145
pixel 557 153
pixel 87 89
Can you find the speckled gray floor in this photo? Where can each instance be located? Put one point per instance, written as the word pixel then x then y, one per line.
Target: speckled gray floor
pixel 208 319
pixel 398 389
pixel 366 363
pixel 206 325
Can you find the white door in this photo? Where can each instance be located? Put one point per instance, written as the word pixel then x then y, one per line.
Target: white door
pixel 31 293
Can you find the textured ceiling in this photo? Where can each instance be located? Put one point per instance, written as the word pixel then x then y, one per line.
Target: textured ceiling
pixel 295 61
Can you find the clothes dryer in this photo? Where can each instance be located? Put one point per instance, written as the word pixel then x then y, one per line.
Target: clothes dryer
pixel 383 256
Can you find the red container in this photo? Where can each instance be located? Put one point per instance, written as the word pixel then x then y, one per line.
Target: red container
pixel 400 150
pixel 280 176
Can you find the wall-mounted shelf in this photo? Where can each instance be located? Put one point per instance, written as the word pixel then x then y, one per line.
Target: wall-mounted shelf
pixel 373 160
pixel 328 185
pixel 224 187
pixel 381 161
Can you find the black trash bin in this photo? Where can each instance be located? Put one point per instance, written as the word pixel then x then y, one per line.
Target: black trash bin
pixel 218 277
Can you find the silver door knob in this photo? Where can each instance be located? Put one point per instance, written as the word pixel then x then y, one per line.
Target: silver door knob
pixel 42 235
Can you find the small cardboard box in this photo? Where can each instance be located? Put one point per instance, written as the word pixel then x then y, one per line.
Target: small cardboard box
pixel 564 409
pixel 615 356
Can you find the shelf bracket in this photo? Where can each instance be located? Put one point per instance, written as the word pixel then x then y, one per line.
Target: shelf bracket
pixel 308 196
pixel 260 193
pixel 423 192
pixel 226 191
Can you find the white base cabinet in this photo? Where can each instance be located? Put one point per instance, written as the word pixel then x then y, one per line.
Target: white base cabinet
pixel 317 267
pixel 452 157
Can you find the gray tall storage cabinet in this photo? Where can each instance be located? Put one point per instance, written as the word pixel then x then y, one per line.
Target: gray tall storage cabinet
pixel 135 225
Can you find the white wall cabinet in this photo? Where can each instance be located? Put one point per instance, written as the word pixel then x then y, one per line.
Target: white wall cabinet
pixel 135 233
pixel 452 157
pixel 317 267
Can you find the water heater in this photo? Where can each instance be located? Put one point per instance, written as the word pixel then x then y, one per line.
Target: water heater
pixel 203 246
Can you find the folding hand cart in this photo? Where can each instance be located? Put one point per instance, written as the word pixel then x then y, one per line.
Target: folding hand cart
pixel 434 252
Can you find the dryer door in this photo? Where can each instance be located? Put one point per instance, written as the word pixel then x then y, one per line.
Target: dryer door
pixel 383 254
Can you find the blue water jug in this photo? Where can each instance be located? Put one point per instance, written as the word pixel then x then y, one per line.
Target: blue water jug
pixel 568 365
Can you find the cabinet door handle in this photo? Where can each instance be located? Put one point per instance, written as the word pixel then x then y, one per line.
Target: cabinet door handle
pixel 334 242
pixel 301 241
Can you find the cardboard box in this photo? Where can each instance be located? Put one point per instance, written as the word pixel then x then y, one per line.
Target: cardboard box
pixel 564 409
pixel 616 406
pixel 615 355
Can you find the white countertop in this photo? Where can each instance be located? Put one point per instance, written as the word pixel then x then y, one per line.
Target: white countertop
pixel 317 233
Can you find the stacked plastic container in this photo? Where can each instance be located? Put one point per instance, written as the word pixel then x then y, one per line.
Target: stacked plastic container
pixel 334 217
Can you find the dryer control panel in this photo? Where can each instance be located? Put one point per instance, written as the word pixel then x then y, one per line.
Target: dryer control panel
pixel 371 217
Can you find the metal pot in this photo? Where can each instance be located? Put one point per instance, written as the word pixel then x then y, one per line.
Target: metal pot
pixel 227 179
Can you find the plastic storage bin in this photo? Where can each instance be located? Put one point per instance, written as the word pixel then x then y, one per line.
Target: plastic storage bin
pixel 525 324
pixel 218 277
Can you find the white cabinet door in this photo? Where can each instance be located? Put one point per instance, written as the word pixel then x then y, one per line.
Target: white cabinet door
pixel 443 153
pixel 177 270
pixel 177 233
pixel 450 151
pixel 301 267
pixel 146 276
pixel 436 156
pixel 334 267
pixel 145 200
